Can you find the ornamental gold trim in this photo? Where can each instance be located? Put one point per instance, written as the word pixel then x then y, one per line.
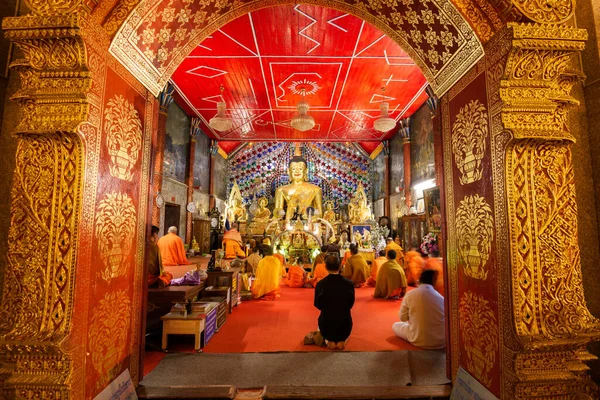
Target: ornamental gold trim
pixel 546 12
pixel 469 136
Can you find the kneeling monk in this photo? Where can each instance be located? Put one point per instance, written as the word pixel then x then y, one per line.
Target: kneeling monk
pixel 319 270
pixel 296 276
pixel 391 281
pixel 414 265
pixel 232 243
pixel 356 268
pixel 268 273
pixel 171 249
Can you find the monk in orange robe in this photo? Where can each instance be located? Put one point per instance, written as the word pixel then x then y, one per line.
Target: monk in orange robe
pixel 296 276
pixel 232 242
pixel 281 259
pixel 435 263
pixel 268 274
pixel 319 270
pixel 375 265
pixel 171 249
pixel 391 245
pixel 414 264
pixel 156 274
pixel 356 268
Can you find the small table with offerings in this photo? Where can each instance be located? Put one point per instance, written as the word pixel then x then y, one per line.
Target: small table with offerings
pixel 175 323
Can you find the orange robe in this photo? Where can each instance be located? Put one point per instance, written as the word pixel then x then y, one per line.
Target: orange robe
pixel 266 284
pixel 347 255
pixel 282 261
pixel 319 273
pixel 171 250
pixel 390 280
pixel 435 264
pixel 232 243
pixel 357 270
pixel 399 252
pixel 296 277
pixel 414 264
pixel 375 265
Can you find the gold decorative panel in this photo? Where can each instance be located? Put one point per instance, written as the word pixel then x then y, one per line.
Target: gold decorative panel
pixel 469 134
pixel 123 130
pixel 474 233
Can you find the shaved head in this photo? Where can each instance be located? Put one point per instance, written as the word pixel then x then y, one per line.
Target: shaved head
pixel 173 229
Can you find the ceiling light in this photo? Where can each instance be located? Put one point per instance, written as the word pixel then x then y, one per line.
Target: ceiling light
pixel 302 121
pixel 220 122
pixel 384 123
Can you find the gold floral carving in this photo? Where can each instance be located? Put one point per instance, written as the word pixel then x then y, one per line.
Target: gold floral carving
pixel 123 136
pixel 469 134
pixel 546 11
pixel 118 14
pixel 108 332
pixel 475 233
pixel 479 329
pixel 52 7
pixel 115 229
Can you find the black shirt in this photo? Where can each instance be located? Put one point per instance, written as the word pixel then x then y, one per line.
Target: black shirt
pixel 334 296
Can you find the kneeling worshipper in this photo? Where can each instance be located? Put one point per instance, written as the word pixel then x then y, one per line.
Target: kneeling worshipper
pixel 414 265
pixel 232 243
pixel 356 268
pixel 252 261
pixel 375 266
pixel 296 276
pixel 156 275
pixel 319 270
pixel 334 297
pixel 278 255
pixel 268 274
pixel 435 263
pixel 391 281
pixel 391 245
pixel 422 315
pixel 171 249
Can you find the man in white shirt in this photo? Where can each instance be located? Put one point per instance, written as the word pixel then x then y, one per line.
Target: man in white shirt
pixel 422 315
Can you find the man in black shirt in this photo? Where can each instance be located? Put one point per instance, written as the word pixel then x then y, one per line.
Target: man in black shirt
pixel 334 296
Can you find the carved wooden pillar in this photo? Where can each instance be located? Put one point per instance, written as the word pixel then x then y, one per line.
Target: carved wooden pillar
pixel 37 306
pixel 214 149
pixel 405 133
pixel 165 99
pixel 194 130
pixel 550 316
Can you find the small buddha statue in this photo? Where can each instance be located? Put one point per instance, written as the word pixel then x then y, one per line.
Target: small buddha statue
pixel 237 211
pixel 358 211
pixel 263 214
pixel 329 215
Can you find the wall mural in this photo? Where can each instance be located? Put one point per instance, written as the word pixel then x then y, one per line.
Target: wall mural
pixel 219 176
pixel 177 143
pixel 202 163
pixel 336 168
pixel 396 164
pixel 378 176
pixel 422 156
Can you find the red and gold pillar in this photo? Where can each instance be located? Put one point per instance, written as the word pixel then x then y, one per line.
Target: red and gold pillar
pixel 165 99
pixel 405 133
pixel 194 130
pixel 386 163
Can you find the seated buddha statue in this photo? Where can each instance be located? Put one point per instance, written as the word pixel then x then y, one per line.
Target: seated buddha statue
pixel 237 211
pixel 329 215
pixel 262 214
pixel 358 211
pixel 299 195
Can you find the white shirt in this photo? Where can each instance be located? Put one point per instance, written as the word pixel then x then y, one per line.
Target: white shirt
pixel 423 309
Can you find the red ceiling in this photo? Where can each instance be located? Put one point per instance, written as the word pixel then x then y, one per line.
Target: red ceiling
pixel 264 58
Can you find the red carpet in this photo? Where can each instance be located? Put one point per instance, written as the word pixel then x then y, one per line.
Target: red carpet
pixel 271 326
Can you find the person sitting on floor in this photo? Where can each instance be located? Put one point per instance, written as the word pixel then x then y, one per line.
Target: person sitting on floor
pixel 391 281
pixel 296 276
pixel 356 268
pixel 171 249
pixel 434 262
pixel 319 270
pixel 375 266
pixel 156 275
pixel 334 297
pixel 232 243
pixel 422 315
pixel 281 259
pixel 268 274
pixel 252 261
pixel 414 265
pixel 391 245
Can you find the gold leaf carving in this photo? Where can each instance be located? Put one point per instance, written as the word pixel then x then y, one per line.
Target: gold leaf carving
pixel 546 11
pixel 115 229
pixel 469 134
pixel 475 232
pixel 123 136
pixel 108 334
pixel 52 7
pixel 479 328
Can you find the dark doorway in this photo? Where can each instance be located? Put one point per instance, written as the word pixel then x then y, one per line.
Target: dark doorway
pixel 172 215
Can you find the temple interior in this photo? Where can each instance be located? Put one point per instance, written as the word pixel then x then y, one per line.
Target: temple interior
pixel 267 199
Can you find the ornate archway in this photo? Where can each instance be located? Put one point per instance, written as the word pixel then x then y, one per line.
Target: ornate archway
pixel 70 311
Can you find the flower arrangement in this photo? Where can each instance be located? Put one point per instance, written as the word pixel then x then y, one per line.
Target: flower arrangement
pixel 429 244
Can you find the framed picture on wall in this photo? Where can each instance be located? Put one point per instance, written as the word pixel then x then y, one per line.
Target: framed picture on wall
pixel 433 215
pixel 420 205
pixel 360 234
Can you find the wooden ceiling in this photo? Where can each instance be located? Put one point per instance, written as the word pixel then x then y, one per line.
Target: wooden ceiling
pixel 264 59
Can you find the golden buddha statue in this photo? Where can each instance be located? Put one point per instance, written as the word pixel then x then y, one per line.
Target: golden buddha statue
pixel 299 194
pixel 329 215
pixel 262 214
pixel 358 211
pixel 236 211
